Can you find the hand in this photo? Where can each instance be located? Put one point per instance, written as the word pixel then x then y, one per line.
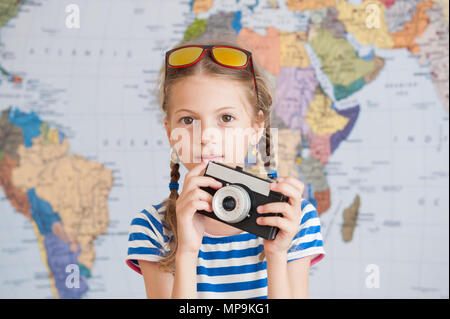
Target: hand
pixel 190 226
pixel 291 212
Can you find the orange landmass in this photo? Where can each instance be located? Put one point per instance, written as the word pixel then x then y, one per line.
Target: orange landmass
pixel 323 199
pixel 302 5
pixel 200 6
pixel 265 48
pixel 17 198
pixel 406 38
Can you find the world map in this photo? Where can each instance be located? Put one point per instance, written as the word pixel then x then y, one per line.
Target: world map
pixel 361 106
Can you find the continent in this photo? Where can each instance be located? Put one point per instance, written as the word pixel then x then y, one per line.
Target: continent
pixel 302 5
pixel 287 152
pixel 199 6
pixel 321 118
pixel 434 51
pixel 366 22
pixel 266 49
pixel 347 72
pixel 294 92
pixel 350 219
pixel 292 50
pixel 76 189
pixel 405 38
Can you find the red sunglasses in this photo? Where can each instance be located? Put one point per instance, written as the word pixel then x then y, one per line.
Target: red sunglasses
pixel 224 55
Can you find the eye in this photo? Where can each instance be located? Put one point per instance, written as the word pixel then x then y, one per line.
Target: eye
pixel 187 120
pixel 226 118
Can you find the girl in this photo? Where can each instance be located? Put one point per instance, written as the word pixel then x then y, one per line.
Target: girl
pixel 183 254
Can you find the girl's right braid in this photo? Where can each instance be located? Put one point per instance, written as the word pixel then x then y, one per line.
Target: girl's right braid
pixel 268 165
pixel 171 218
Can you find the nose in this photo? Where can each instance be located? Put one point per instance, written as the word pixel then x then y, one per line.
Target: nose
pixel 210 133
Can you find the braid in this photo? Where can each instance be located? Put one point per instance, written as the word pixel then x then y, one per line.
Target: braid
pixel 170 219
pixel 267 164
pixel 268 154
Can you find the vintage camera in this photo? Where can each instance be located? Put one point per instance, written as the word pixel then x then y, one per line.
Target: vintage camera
pixel 236 202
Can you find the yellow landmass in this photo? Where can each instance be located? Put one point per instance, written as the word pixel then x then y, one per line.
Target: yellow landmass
pixel 338 57
pixel 302 5
pixel 53 136
pixel 292 50
pixel 77 189
pixel 321 118
pixel 360 22
pixel 200 6
pixel 287 152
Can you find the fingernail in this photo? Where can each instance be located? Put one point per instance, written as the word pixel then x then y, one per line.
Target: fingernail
pixel 280 179
pixel 259 209
pixel 258 220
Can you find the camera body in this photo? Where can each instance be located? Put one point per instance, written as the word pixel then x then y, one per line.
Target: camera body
pixel 236 202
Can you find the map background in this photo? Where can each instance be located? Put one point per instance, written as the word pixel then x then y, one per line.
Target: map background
pixel 103 102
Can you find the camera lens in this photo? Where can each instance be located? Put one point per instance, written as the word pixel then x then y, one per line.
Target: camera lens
pixel 229 203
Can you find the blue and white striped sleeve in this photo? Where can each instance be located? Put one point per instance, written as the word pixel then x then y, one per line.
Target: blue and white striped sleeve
pixel 148 238
pixel 308 240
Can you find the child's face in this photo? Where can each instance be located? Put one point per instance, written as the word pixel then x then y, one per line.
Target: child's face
pixel 209 118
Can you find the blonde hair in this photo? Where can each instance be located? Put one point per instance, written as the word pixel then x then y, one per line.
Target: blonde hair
pixel 206 66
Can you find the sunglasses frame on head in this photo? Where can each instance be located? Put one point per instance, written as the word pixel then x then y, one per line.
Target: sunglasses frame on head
pixel 211 49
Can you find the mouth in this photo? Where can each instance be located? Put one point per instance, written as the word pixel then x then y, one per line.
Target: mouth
pixel 207 158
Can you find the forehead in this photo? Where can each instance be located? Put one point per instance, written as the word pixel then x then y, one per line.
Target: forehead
pixel 206 94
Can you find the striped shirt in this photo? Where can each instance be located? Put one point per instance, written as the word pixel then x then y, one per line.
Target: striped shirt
pixel 227 266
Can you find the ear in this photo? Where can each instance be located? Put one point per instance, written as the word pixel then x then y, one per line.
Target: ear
pixel 168 130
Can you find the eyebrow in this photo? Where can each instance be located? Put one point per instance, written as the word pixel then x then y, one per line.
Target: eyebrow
pixel 218 110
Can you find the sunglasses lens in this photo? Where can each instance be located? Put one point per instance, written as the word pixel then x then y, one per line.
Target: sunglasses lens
pixel 184 56
pixel 230 56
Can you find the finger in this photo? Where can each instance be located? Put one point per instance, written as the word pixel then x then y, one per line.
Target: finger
pixel 196 170
pixel 200 194
pixel 202 181
pixel 276 221
pixel 294 182
pixel 201 205
pixel 278 207
pixel 290 191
